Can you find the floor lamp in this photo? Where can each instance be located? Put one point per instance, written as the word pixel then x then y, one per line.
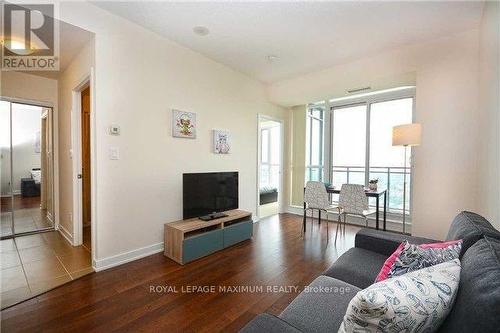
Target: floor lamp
pixel 406 135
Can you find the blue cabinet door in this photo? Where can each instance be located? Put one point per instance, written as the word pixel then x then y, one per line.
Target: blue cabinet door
pixel 237 233
pixel 201 245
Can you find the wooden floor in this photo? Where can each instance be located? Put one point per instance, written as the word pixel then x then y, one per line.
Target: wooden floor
pixel 120 299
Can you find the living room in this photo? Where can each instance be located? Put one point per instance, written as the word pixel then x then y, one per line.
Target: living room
pixel 180 89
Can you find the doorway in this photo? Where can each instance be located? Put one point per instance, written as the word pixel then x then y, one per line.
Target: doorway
pixel 270 141
pixel 86 172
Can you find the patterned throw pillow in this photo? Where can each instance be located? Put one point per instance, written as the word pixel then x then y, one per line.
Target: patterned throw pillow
pixel 415 302
pixel 411 257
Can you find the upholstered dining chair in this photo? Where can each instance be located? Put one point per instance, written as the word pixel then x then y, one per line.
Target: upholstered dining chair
pixel 353 201
pixel 316 197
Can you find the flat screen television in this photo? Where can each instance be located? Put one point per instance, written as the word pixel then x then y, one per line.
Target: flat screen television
pixel 211 192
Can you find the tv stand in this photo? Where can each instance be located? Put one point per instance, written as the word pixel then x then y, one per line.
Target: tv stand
pixel 212 216
pixel 188 240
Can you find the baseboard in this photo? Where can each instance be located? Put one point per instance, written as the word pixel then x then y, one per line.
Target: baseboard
pixel 66 234
pixel 122 258
pixel 17 192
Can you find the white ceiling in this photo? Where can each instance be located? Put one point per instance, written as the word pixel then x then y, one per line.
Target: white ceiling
pixel 71 41
pixel 306 36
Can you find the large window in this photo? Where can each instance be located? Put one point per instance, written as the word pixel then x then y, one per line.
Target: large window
pixel 315 124
pixel 359 145
pixel 362 149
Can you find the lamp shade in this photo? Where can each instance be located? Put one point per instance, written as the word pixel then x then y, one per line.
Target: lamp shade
pixel 406 135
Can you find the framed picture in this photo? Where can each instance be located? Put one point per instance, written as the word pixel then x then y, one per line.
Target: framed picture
pixel 222 142
pixel 183 124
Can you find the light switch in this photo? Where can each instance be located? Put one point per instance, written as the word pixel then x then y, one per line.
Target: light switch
pixel 114 153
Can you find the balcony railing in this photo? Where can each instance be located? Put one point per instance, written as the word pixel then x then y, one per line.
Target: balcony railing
pixel 390 178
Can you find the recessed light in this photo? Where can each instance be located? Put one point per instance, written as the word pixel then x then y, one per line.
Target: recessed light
pixel 201 31
pixel 272 58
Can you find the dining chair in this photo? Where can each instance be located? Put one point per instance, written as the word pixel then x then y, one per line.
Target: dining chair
pixel 316 197
pixel 353 201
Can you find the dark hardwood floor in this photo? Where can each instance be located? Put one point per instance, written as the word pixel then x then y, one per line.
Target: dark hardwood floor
pixel 119 299
pixel 20 202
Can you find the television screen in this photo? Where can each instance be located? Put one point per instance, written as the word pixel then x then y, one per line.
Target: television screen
pixel 206 193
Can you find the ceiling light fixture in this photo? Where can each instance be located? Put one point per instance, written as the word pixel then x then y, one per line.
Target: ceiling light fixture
pixel 201 31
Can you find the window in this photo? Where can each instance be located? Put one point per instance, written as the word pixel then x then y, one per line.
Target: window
pixel 315 142
pixel 349 145
pixel 386 161
pixel 362 140
pixel 270 156
pixel 360 145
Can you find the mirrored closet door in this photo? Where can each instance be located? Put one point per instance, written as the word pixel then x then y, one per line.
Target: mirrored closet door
pixel 26 169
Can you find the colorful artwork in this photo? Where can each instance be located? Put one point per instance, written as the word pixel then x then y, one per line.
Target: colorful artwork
pixel 183 124
pixel 222 142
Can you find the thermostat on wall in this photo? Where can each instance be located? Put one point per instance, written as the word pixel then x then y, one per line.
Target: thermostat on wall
pixel 114 130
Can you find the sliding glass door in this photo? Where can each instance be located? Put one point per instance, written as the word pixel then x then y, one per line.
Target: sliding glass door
pixel 26 163
pixel 387 161
pixel 361 144
pixel 349 145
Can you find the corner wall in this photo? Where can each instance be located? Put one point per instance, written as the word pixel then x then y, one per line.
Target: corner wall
pixel 446 72
pixel 489 109
pixel 140 77
pixel 77 70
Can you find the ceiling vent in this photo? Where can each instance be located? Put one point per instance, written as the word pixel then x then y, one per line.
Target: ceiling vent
pixel 357 90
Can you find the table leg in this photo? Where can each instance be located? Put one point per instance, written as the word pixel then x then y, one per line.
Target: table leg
pixel 319 216
pixel 385 210
pixel 376 224
pixel 304 219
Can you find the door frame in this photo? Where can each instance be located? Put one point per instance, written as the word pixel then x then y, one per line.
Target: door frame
pixel 261 117
pixel 76 149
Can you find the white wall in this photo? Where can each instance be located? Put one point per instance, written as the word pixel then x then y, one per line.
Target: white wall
pixel 73 75
pixel 139 78
pixel 445 72
pixel 489 108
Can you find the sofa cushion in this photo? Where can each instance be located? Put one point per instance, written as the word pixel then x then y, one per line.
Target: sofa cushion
pixel 321 306
pixel 477 304
pixel 470 227
pixel 412 257
pixel 385 242
pixel 357 266
pixel 268 323
pixel 418 301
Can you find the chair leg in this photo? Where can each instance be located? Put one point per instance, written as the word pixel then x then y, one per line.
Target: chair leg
pixel 339 222
pixel 345 223
pixel 327 235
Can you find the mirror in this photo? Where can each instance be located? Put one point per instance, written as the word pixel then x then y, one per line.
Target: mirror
pixel 27 168
pixel 5 168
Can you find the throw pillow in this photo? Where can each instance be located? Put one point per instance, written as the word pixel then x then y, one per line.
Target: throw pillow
pixel 414 302
pixel 411 257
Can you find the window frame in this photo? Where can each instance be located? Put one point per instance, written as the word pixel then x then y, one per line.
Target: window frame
pixel 323 156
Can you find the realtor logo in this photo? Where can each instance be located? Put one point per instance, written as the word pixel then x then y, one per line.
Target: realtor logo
pixel 30 38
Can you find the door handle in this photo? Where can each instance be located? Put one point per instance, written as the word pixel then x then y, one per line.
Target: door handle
pixel 79 176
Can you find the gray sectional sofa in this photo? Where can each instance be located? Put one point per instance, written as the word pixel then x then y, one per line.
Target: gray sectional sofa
pixel 322 305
